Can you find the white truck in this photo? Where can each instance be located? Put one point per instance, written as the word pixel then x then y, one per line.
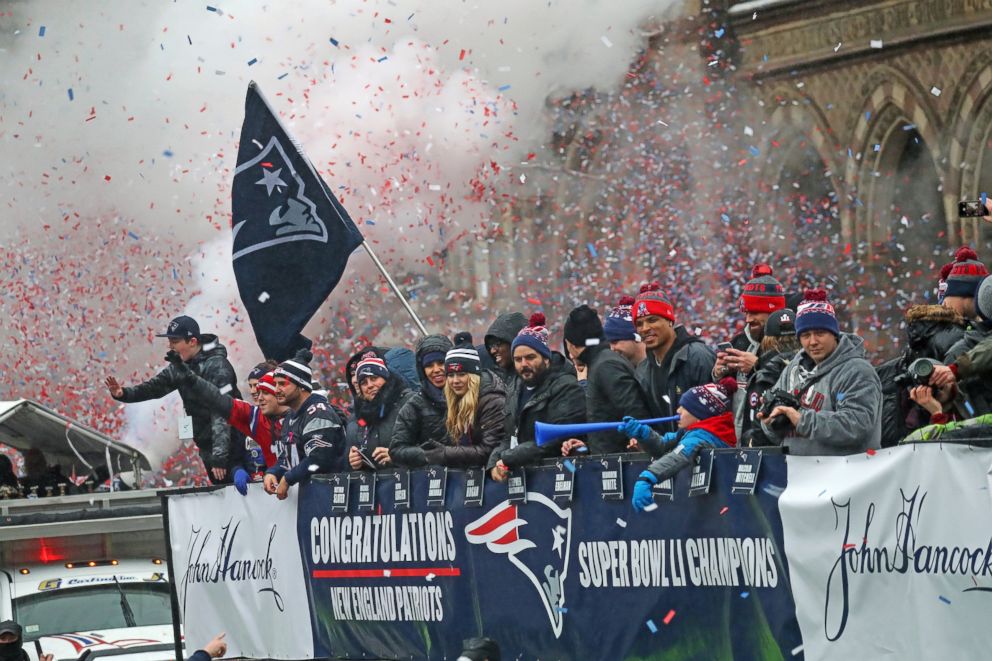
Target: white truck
pixel 84 575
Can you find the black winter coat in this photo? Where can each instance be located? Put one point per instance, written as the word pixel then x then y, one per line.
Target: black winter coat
pixel 691 365
pixel 932 330
pixel 372 425
pixel 762 379
pixel 488 430
pixel 559 399
pixel 219 445
pixel 612 391
pixel 421 419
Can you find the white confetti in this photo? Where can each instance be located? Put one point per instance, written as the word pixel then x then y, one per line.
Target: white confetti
pixel 264 296
pixel 606 42
pixel 748 131
pixel 797 650
pixel 837 47
pixel 430 577
pixel 621 523
pixel 650 508
pixel 435 186
pixel 935 91
pixel 592 342
pixel 876 43
pixel 226 389
pixel 387 573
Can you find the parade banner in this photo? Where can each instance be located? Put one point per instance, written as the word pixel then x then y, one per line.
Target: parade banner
pixel 236 568
pixel 890 553
pixel 587 578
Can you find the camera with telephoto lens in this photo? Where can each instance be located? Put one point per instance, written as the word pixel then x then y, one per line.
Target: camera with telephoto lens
pixel 781 423
pixel 917 374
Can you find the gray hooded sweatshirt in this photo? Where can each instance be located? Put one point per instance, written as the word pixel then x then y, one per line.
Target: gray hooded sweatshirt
pixel 841 402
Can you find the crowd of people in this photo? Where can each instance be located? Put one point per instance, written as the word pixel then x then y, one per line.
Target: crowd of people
pixel 793 377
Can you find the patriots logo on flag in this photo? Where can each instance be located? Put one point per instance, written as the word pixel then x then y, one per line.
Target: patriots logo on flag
pixel 293 215
pixel 541 555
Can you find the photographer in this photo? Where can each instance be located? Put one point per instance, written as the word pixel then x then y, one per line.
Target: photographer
pixel 828 400
pixel 971 371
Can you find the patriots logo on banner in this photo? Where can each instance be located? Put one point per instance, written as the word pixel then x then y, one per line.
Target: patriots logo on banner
pixel 292 238
pixel 541 555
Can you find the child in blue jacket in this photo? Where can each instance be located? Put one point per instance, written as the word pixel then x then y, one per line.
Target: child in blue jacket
pixel 706 420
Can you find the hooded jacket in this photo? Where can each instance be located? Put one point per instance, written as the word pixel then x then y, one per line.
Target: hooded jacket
pixel 421 419
pixel 973 370
pixel 841 399
pixel 976 331
pixel 372 424
pixel 691 365
pixel 612 391
pixel 558 399
pixel 488 430
pixel 932 330
pixel 219 445
pixel 504 329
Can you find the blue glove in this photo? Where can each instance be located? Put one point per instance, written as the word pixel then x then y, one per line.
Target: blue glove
pixel 642 490
pixel 631 428
pixel 241 480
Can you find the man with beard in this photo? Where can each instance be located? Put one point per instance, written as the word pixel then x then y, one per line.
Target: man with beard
pixel 380 396
pixel 546 391
pixel 762 295
pixel 498 338
pixel 676 362
pixel 312 438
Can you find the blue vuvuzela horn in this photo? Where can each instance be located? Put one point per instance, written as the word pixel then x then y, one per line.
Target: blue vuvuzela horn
pixel 545 432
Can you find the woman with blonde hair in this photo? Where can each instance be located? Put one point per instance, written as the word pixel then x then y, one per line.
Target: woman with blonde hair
pixel 476 419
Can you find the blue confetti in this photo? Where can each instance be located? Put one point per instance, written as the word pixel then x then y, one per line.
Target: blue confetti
pixel 71 95
pixel 909 127
pixel 189 39
pixel 209 8
pixel 133 235
pixel 971 411
pixel 382 59
pixel 651 626
pixel 561 609
pixel 724 217
pixel 283 76
pixel 745 595
pixel 41 31
pixel 167 153
pixel 569 465
pixel 840 397
pixel 754 150
pixel 719 33
pixel 503 88
pixel 252 61
pixel 161 46
pixel 867 115
pixel 102 355
pixel 592 250
pixel 877 148
pixel 334 42
pixel 370 222
pixel 175 274
pixel 821 493
pixel 945 599
pixel 984 197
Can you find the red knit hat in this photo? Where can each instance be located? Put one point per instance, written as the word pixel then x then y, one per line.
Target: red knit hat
pixel 267 383
pixel 762 293
pixel 965 274
pixel 651 301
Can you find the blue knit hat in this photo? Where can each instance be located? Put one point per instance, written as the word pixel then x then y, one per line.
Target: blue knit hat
pixel 816 313
pixel 533 335
pixel 619 323
pixel 709 400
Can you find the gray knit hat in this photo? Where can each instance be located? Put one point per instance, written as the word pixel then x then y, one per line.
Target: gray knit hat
pixel 983 299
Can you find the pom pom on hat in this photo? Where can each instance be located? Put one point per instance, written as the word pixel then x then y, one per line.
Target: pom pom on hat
pixel 709 400
pixel 762 293
pixel 816 313
pixel 533 335
pixel 619 323
pixel 966 273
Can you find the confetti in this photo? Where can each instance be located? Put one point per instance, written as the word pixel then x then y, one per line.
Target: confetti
pixel 652 627
pixel 430 577
pixel 935 90
pixel 334 42
pixel 569 466
pixel 606 41
pixel 745 595
pixel 945 599
pixel 876 43
pixel 252 61
pixel 226 389
pixel 621 523
pixel 263 297
pixel 387 573
pixel 41 31
pixel 71 95
pixel 797 650
pixel 724 511
pixel 668 618
pixel 650 507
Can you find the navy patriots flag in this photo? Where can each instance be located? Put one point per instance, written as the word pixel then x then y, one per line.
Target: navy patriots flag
pixel 292 238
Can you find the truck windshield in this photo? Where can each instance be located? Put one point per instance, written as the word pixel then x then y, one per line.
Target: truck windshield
pixel 91 608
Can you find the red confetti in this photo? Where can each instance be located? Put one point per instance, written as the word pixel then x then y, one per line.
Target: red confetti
pixel 724 511
pixel 669 617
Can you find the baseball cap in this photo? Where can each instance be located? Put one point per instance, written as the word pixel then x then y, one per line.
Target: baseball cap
pixel 9 626
pixel 183 328
pixel 780 323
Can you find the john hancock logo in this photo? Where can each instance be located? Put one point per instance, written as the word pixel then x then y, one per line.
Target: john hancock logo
pixel 224 566
pixel 541 554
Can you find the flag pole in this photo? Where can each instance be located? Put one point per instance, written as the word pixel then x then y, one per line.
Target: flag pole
pixel 396 290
